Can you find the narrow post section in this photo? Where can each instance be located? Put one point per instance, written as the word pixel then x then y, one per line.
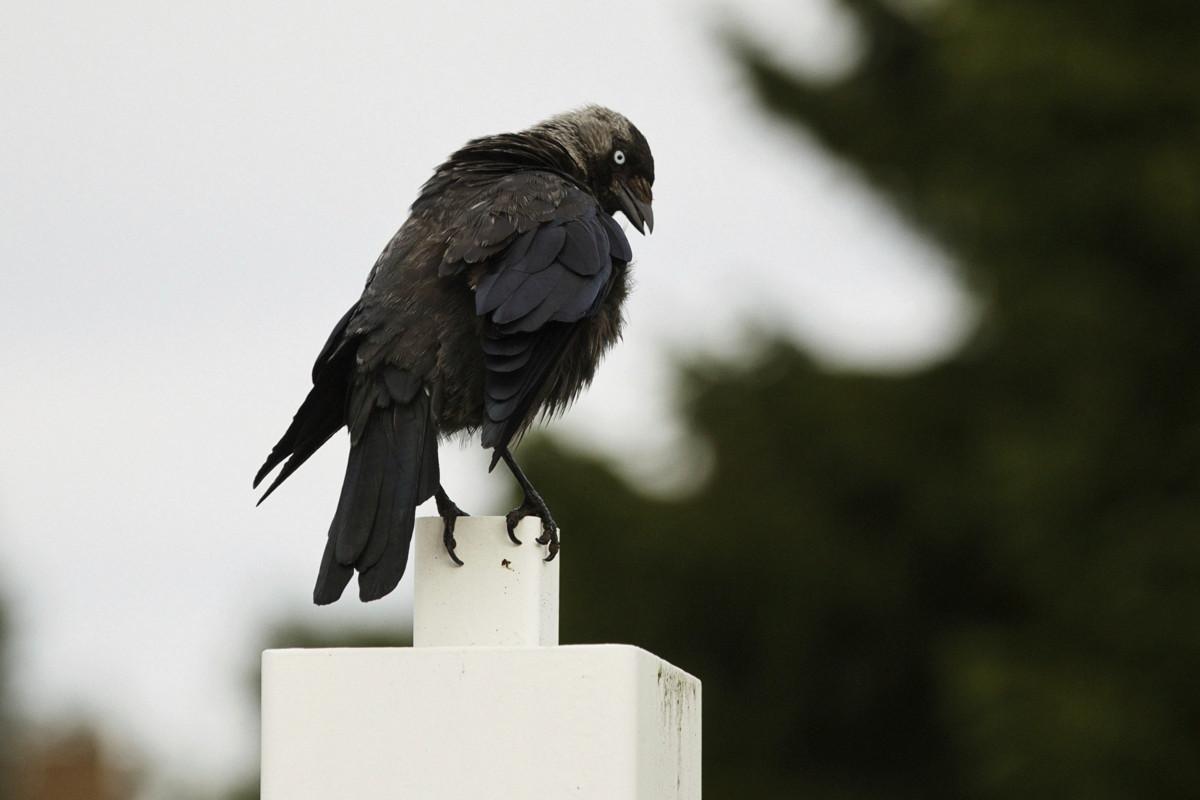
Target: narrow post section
pixel 486 705
pixel 503 594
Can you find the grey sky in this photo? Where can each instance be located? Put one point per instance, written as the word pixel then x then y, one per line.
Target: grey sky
pixel 193 194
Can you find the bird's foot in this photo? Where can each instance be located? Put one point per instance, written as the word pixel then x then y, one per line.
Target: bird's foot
pixel 449 513
pixel 535 507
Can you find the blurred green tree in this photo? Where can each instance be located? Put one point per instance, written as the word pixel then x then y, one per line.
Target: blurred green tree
pixel 7 745
pixel 981 579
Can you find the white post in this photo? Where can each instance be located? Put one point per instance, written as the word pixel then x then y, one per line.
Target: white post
pixel 503 594
pixel 486 705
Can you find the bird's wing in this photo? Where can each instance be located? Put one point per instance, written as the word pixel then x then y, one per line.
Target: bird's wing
pixel 545 255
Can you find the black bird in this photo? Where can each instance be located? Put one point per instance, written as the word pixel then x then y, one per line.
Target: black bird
pixel 492 304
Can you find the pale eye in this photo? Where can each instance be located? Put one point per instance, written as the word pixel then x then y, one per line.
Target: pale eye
pixel 619 156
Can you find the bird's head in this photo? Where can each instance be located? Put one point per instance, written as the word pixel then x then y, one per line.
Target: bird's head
pixel 612 157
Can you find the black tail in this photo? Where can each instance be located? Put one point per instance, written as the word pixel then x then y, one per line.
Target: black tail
pixel 323 412
pixel 392 468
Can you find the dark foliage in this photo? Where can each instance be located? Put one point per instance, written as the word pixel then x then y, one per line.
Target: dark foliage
pixel 7 743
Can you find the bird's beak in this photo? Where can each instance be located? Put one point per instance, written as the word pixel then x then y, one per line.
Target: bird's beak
pixel 635 199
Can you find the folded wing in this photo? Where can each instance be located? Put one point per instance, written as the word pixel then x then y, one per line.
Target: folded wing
pixel 551 268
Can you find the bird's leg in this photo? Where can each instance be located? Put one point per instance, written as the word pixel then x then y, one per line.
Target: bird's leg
pixel 533 505
pixel 449 513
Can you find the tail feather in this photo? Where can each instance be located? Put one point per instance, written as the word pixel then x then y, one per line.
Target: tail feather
pixel 392 468
pixel 391 511
pixel 321 415
pixel 382 578
pixel 367 469
pixel 430 478
pixel 332 578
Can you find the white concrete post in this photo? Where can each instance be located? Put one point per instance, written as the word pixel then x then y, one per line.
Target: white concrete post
pixel 486 705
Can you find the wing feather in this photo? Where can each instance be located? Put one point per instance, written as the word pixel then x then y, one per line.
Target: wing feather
pixel 552 273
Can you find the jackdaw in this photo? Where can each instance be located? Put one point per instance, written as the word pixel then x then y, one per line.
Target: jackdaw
pixel 492 304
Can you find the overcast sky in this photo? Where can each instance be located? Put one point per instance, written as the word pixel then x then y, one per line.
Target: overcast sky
pixel 193 194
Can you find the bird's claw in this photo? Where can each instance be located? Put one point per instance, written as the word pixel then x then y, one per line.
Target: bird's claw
pixel 531 508
pixel 450 513
pixel 448 537
pixel 549 538
pixel 513 518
